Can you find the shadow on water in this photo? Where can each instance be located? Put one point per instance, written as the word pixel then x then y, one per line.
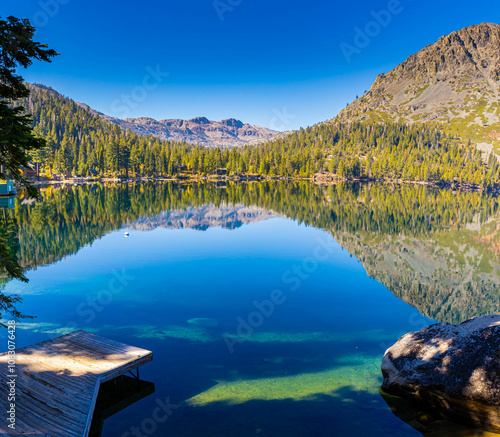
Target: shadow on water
pixel 244 407
pixel 346 411
pixel 177 362
pixel 116 395
pixel 428 422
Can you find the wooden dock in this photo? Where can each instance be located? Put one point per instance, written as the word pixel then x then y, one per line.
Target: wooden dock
pixel 58 382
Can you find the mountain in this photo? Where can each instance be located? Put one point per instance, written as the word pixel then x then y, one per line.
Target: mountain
pixel 455 81
pixel 199 130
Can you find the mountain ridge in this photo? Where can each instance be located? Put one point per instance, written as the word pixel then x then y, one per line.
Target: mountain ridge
pixel 199 130
pixel 455 82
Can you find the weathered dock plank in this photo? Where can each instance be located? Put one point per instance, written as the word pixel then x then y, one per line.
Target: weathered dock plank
pixel 58 381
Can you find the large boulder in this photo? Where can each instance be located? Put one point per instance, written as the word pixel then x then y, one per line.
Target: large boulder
pixel 453 369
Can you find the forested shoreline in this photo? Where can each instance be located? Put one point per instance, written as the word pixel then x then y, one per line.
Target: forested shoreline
pixel 79 142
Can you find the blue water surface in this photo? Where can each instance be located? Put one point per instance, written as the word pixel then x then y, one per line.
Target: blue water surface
pixel 271 329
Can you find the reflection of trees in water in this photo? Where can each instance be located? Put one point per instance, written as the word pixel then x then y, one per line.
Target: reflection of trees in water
pixel 361 217
pixel 68 219
pixel 9 264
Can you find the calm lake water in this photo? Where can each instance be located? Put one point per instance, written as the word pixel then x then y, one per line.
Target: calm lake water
pixel 268 306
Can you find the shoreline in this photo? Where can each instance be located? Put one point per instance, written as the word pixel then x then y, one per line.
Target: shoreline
pixel 249 178
pixel 322 180
pixel 440 184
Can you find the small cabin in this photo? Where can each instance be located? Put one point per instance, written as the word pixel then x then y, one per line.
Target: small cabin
pixel 7 202
pixel 32 170
pixel 7 188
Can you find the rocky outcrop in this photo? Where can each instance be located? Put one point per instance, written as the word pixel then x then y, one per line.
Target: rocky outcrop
pixel 454 369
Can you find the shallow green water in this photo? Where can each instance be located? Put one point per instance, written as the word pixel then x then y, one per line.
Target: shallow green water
pixel 268 306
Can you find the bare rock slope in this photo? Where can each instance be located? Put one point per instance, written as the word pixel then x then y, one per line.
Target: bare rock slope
pixel 455 81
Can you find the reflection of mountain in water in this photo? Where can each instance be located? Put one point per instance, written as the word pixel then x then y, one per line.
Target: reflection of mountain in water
pixel 451 278
pixel 448 272
pixel 436 249
pixel 203 217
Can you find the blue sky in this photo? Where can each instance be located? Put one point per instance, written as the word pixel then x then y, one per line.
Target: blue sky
pixel 282 64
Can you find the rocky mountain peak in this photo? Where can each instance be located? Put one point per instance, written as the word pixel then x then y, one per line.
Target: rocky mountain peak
pixel 200 120
pixel 455 81
pixel 199 130
pixel 231 122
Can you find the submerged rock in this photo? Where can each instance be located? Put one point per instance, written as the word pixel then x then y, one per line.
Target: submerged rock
pixel 454 369
pixel 205 322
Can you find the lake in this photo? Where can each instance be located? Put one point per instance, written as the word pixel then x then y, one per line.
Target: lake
pixel 268 306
